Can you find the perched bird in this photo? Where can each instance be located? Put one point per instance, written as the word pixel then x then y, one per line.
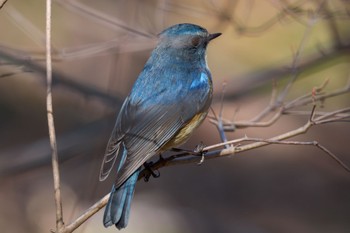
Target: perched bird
pixel 168 101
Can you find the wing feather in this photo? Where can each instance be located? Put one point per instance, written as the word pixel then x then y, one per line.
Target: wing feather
pixel 146 123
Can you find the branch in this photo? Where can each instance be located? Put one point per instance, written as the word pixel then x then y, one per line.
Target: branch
pixel 2 3
pixel 20 58
pixel 50 121
pixel 104 19
pixel 294 70
pixel 286 108
pixel 87 214
pixel 232 147
pixel 236 147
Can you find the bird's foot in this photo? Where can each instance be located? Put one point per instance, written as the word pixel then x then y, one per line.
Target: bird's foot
pixel 198 150
pixel 174 149
pixel 151 172
pixel 161 158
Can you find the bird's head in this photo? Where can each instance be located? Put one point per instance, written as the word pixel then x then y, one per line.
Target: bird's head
pixel 190 38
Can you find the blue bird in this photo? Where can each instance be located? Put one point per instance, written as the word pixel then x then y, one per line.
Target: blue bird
pixel 170 98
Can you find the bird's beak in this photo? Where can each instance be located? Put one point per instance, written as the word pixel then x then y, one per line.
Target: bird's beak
pixel 213 36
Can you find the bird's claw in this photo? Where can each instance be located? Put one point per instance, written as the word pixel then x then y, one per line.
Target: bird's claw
pixel 153 173
pixel 199 151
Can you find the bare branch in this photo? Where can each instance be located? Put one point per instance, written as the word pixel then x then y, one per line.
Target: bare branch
pixel 104 19
pixel 288 107
pixel 219 124
pixel 277 107
pixel 333 116
pixel 26 26
pixel 87 214
pixel 2 3
pixel 51 125
pixel 58 78
pixel 234 146
pixel 294 73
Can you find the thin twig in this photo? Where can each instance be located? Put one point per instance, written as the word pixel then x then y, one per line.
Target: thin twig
pixel 176 159
pixel 312 143
pixel 191 157
pixel 294 71
pixel 51 125
pixel 187 158
pixel 87 214
pixel 220 125
pixel 320 97
pixel 311 23
pixel 341 163
pixel 2 3
pixel 98 16
pixel 333 116
pixel 26 26
pixel 288 106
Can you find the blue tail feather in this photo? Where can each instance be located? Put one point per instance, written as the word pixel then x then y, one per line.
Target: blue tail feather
pixel 118 206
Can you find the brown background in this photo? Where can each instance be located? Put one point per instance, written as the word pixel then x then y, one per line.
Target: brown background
pixel 272 189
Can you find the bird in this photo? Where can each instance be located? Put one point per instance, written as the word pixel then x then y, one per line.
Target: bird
pixel 168 101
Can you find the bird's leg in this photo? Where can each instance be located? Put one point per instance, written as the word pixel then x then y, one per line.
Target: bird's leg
pixel 148 167
pixel 180 150
pixel 199 151
pixel 161 158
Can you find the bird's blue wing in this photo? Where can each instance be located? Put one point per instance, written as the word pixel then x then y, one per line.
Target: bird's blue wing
pixel 152 115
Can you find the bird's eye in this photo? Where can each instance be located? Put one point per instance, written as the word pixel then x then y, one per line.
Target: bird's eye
pixel 195 41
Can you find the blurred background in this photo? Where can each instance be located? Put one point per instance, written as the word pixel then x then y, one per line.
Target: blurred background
pixel 99 49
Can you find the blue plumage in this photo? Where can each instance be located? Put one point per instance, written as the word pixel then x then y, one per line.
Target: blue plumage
pixel 170 98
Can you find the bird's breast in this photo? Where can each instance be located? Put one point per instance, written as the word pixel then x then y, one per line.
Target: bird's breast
pixel 184 133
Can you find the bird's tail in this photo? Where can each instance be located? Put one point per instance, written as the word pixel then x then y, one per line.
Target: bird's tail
pixel 118 206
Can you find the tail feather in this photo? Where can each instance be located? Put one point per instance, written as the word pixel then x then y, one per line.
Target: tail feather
pixel 118 206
